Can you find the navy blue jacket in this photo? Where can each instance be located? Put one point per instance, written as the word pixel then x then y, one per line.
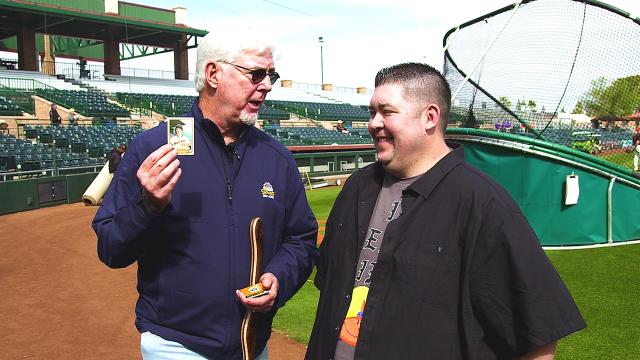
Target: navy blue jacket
pixel 193 256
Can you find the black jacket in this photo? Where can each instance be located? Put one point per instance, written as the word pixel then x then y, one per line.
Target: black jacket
pixel 55 118
pixel 460 274
pixel 114 160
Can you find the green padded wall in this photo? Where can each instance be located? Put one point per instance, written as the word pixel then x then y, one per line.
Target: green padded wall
pixel 77 184
pixel 21 195
pixel 626 223
pixel 538 185
pixel 18 195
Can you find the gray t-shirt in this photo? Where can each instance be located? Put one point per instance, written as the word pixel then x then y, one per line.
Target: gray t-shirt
pixel 388 207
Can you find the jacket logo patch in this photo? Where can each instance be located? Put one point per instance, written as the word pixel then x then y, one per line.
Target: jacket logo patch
pixel 267 191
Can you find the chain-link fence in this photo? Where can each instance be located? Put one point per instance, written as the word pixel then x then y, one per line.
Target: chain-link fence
pixel 565 71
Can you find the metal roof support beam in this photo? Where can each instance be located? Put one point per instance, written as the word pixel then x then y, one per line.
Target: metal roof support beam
pixel 62 44
pixel 192 41
pixel 132 51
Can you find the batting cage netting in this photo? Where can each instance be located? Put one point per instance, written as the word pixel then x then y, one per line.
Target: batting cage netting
pixel 558 70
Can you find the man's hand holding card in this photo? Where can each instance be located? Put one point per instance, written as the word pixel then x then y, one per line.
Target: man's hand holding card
pixel 262 300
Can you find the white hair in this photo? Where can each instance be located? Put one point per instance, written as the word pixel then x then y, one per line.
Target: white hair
pixel 226 45
pixel 248 119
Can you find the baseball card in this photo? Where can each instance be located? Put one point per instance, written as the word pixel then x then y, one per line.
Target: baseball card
pixel 254 291
pixel 180 135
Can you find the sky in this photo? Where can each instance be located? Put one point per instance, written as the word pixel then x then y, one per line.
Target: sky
pixel 360 36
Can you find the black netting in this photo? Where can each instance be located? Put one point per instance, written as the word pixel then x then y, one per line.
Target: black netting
pixel 560 70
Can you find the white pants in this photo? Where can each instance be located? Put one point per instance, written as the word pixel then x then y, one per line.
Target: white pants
pixel 153 347
pixel 636 155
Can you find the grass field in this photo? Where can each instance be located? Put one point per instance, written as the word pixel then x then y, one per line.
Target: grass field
pixel 623 159
pixel 605 284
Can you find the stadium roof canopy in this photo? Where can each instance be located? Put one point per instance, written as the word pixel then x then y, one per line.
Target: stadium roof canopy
pixel 99 27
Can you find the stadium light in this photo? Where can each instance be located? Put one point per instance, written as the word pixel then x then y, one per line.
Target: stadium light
pixel 321 40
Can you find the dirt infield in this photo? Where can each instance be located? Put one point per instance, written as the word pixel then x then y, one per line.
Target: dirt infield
pixel 58 301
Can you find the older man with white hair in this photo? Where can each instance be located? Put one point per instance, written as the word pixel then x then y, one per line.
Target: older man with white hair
pixel 185 220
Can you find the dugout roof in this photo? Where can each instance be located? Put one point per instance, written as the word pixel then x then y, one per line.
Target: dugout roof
pixel 136 24
pixel 97 28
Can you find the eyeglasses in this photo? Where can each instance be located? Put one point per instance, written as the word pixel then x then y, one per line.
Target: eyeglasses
pixel 257 75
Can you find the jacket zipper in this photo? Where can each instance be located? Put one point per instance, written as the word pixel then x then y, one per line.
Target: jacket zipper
pixel 229 155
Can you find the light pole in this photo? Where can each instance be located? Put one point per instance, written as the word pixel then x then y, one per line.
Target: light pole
pixel 321 40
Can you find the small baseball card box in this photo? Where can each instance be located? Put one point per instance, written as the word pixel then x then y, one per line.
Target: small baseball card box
pixel 254 291
pixel 180 135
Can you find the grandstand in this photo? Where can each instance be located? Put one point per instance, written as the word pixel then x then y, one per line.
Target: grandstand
pixel 294 116
pixel 8 108
pixel 32 148
pixel 299 136
pixel 113 107
pixel 113 110
pixel 72 149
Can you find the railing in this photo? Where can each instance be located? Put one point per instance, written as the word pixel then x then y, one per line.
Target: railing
pixel 96 72
pixel 52 94
pixel 318 87
pixel 324 163
pixel 18 175
pixel 75 70
pixel 86 122
pixel 22 99
pixel 23 84
pixel 137 103
pixel 298 111
pixel 149 73
pixel 30 86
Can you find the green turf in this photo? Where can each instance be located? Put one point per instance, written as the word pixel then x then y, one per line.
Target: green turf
pixel 604 282
pixel 296 318
pixel 321 200
pixel 624 159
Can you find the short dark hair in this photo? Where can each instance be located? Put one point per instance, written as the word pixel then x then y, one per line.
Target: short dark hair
pixel 421 82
